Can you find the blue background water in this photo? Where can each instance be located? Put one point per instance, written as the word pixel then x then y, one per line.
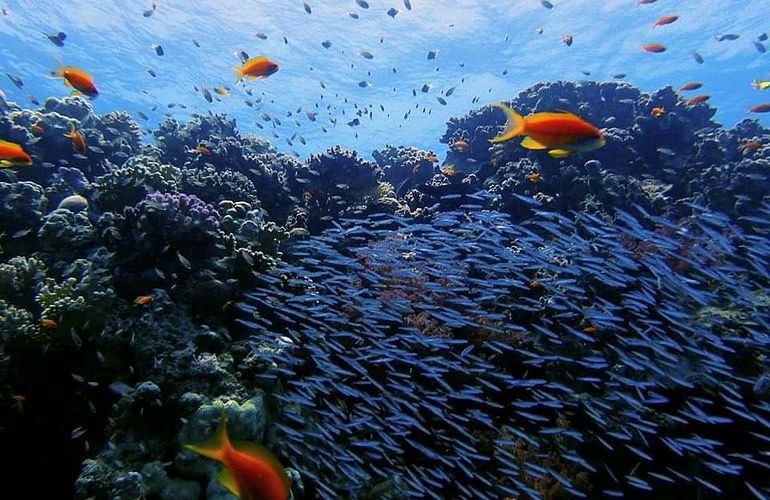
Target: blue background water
pixel 112 40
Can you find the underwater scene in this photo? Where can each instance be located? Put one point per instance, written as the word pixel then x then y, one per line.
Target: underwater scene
pixel 385 249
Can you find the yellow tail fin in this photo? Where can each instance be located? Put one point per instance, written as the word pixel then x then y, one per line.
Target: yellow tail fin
pixel 514 124
pixel 238 74
pixel 216 446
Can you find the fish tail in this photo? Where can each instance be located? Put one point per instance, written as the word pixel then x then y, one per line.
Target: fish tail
pixel 216 447
pixel 238 74
pixel 514 125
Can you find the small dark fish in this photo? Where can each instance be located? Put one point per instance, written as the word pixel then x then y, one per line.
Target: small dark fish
pixel 425 88
pixel 261 36
pixel 158 49
pixel 326 44
pixel 546 4
pixel 353 15
pixel 307 8
pixel 354 122
pixel 152 73
pixel 697 58
pixel 407 5
pixel 16 80
pixel 441 100
pixel 619 75
pixel 142 115
pixel 450 91
pixel 393 12
pixel 195 42
pixel 366 54
pixel 760 47
pixel 363 84
pixel 723 37
pixel 432 54
pixel 363 4
pixel 150 11
pixel 57 39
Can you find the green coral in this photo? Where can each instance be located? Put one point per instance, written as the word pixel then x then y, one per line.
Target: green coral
pixel 16 322
pixel 129 184
pixel 84 292
pixel 20 280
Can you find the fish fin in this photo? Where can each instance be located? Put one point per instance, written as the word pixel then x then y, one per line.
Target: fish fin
pixel 215 447
pixel 263 455
pixel 9 144
pixel 559 153
pixel 514 124
pixel 6 164
pixel 238 74
pixel 226 479
pixel 530 143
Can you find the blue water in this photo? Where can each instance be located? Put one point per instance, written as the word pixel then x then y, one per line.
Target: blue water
pixel 477 41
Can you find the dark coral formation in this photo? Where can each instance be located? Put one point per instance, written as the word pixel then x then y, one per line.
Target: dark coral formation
pixel 467 353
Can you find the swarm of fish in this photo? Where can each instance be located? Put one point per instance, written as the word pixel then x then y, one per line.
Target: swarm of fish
pixel 470 357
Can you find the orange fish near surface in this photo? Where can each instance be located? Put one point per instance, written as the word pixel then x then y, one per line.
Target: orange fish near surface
pixel 250 471
pixel 699 99
pixel 691 86
pixel 78 79
pixel 655 48
pixel 562 134
pixel 12 155
pixel 665 20
pixel 77 138
pixel 760 108
pixel 254 68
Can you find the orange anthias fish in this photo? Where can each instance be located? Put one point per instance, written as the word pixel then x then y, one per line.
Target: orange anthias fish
pixel 254 68
pixel 699 99
pixel 250 471
pixel 749 146
pixel 143 300
pixel 12 155
pixel 657 112
pixel 201 149
pixel 691 86
pixel 760 108
pixel 78 139
pixel 78 79
pixel 460 146
pixel 760 85
pixel 665 20
pixel 562 134
pixel 655 48
pixel 534 177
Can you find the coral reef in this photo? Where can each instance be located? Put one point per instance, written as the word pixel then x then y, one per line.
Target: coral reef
pixel 494 324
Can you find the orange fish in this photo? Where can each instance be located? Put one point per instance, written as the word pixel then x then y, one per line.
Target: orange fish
pixel 78 79
pixel 535 284
pixel 654 48
pixel 567 39
pixel 78 139
pixel 143 300
pixel 432 158
pixel 760 108
pixel 665 20
pixel 699 99
pixel 691 86
pixel 560 133
pixel 749 146
pixel 37 129
pixel 657 112
pixel 12 155
pixel 589 329
pixel 534 177
pixel 254 68
pixel 203 150
pixel 49 323
pixel 448 170
pixel 250 471
pixel 460 146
